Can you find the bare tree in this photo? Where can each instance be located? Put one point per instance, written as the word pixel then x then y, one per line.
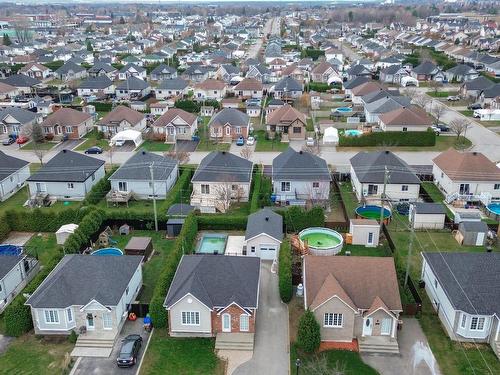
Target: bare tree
pixel 435 85
pixel 181 156
pixel 438 110
pixel 223 194
pixel 246 152
pixel 312 149
pixel 35 133
pixel 319 366
pixel 421 100
pixel 411 91
pixel 459 126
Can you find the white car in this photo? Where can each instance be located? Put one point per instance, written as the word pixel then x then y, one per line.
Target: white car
pixel 310 141
pixel 118 143
pixel 250 141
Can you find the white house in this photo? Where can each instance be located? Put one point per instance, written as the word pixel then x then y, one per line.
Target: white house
pixel 264 234
pixel 16 271
pixel 13 174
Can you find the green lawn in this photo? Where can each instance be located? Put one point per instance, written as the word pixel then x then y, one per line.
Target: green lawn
pixel 157 146
pixel 181 356
pixel 442 94
pixel 443 143
pixel 31 355
pixel 263 144
pixel 44 246
pixel 467 113
pixel 350 362
pixel 436 195
pixel 41 146
pixel 91 140
pixel 349 199
pixel 360 250
pixel 16 201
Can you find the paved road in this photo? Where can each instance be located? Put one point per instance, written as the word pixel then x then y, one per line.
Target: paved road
pixel 269 28
pixel 271 354
pixel 416 357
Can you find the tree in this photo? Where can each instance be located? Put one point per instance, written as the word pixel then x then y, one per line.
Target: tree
pixel 438 110
pixel 319 366
pixel 459 126
pixel 89 46
pixel 181 156
pixel 309 336
pixel 435 85
pixel 6 40
pixel 246 152
pixel 421 100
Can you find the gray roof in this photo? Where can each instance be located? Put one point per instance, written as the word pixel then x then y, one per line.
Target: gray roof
pixel 23 116
pixel 132 83
pixel 387 104
pixel 221 166
pixel 9 165
pixel 78 279
pixel 7 262
pixel 429 208
pixel 100 65
pixel 479 83
pixel 265 221
pixel 173 84
pixel 97 83
pixel 230 116
pixel 20 80
pixel 216 280
pixel 67 166
pixel 137 167
pixel 471 281
pixel 492 92
pixel 426 67
pixel 288 84
pixel 473 227
pixel 137 68
pixel 355 82
pixel 369 168
pixel 180 209
pixel 299 166
pixel 162 69
pixel 70 66
pixel 461 69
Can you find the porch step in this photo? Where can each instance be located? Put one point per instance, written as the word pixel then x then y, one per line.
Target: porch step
pixel 234 346
pixel 91 352
pixel 95 343
pixel 234 341
pixel 382 348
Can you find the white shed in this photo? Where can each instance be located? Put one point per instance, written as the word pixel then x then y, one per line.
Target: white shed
pixel 64 232
pixel 127 135
pixel 331 136
pixel 364 232
pixel 427 215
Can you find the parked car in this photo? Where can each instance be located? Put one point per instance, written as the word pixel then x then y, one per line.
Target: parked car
pixel 250 141
pixel 240 141
pixel 94 150
pixel 119 142
pixel 8 141
pixel 443 127
pixel 453 98
pixel 475 106
pixel 129 351
pixel 436 129
pixel 310 141
pixel 22 139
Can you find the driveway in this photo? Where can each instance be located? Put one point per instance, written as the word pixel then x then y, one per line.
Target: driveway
pixel 70 144
pixel 271 349
pixel 186 146
pixel 416 357
pixel 107 366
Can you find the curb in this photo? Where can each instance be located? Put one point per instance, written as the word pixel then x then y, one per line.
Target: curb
pixel 144 354
pixel 75 366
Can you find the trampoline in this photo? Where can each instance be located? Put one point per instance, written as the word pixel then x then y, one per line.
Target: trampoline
pixel 10 250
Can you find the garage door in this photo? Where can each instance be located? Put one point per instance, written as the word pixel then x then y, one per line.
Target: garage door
pixel 267 252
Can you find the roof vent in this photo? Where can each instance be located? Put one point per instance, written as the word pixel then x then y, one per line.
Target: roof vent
pixel 387 152
pixel 267 219
pixel 223 152
pixel 143 152
pixel 301 152
pixel 65 150
pixel 474 153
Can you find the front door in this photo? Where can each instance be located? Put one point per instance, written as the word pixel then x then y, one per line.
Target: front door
pixel 370 238
pixel 90 322
pixel 464 189
pixel 385 329
pixel 226 323
pixel 368 327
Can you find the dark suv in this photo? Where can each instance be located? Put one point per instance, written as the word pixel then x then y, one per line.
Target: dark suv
pixel 129 351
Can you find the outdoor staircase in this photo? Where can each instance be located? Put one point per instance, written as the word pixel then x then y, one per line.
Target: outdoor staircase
pixel 234 341
pixel 93 347
pixel 370 346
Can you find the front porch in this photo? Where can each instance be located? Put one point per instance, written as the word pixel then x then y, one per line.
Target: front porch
pixel 378 344
pixel 234 341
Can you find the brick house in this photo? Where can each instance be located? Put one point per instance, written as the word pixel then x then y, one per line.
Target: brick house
pixel 229 124
pixel 287 121
pixel 201 305
pixel 67 122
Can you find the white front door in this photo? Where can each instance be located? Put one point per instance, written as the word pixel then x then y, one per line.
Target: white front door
pixel 370 238
pixel 385 329
pixel 226 323
pixel 107 320
pixel 267 252
pixel 90 322
pixel 368 327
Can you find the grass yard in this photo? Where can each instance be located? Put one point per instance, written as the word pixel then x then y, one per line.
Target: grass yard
pixel 41 146
pixel 91 140
pixel 44 246
pixel 181 356
pixel 31 355
pixel 442 94
pixel 157 146
pixel 349 199
pixel 443 143
pixel 263 144
pixel 16 201
pixel 359 250
pixel 436 195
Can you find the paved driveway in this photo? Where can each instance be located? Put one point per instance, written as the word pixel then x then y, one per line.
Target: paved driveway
pixel 70 144
pixel 271 355
pixel 107 366
pixel 186 146
pixel 416 357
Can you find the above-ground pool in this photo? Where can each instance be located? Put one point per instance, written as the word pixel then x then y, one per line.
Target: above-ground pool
pixel 372 212
pixel 212 243
pixel 322 241
pixel 494 210
pixel 343 109
pixel 352 133
pixel 108 251
pixel 10 250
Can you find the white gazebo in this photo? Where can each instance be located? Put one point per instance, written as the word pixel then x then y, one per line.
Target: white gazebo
pixel 331 136
pixel 127 135
pixel 64 232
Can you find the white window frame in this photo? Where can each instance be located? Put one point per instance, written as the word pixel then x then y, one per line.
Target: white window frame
pixel 69 315
pixel 188 317
pixel 463 322
pixel 107 318
pixel 121 185
pixel 68 131
pixel 285 184
pixel 333 320
pixel 404 187
pixel 205 189
pixel 244 323
pixel 71 185
pixel 51 316
pixel 477 321
pixel 228 130
pixel 496 187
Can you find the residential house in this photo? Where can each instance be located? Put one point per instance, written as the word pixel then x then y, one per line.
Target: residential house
pixel 369 171
pixel 70 71
pixel 354 298
pixel 158 108
pixel 214 295
pixel 490 98
pixel 102 69
pixel 264 234
pixel 428 71
pixel 68 175
pixel 210 89
pixel 287 89
pixel 145 175
pixel 298 74
pixel 410 118
pixel 389 103
pixel 162 72
pixel 288 122
pixel 467 175
pixel 16 271
pixel 461 73
pixel 99 86
pixel 35 70
pixel 13 174
pixel 259 72
pixel 227 72
pixel 24 84
pixel 322 72
pixel 171 87
pixel 229 124
pixel 358 71
pixel 196 73
pixel 473 89
pixel 121 118
pixel 463 289
pixel 365 88
pixel 71 298
pixel 7 91
pixel 176 124
pixel 15 120
pixel 220 179
pixel 131 70
pixel 132 88
pixel 393 74
pixel 249 88
pixel 67 123
pixel 300 176
pixel 349 85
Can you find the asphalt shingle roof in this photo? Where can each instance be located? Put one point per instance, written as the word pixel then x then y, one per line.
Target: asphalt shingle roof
pixel 22 115
pixel 7 262
pixel 221 166
pixel 137 167
pixel 9 165
pixel 299 166
pixel 265 221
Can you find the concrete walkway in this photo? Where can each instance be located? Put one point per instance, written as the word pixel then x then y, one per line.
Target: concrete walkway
pixel 271 351
pixel 416 357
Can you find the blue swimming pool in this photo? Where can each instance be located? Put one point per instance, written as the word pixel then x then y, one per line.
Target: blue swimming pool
pixel 344 109
pixel 352 133
pixel 494 208
pixel 10 250
pixel 212 243
pixel 108 251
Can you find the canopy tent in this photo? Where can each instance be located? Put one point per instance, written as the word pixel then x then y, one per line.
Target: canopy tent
pixel 127 135
pixel 409 81
pixel 64 232
pixel 331 136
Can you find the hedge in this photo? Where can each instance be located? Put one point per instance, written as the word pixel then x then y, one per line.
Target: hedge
pixel 100 189
pixel 222 222
pixel 297 218
pixel 285 272
pixel 380 139
pixel 89 225
pixel 318 86
pixel 102 107
pixel 184 244
pixel 256 189
pixel 4 227
pixel 40 220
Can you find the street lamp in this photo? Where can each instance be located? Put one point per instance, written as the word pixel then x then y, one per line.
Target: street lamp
pixel 298 363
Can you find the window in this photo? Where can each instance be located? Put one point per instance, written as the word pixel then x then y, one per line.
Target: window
pixel 71 185
pixel 68 129
pixel 477 323
pixel 190 318
pixel 51 316
pixel 244 322
pixel 228 131
pixel 316 185
pixel 405 129
pixel 435 283
pixel 404 187
pixel 126 291
pixel 464 321
pixel 122 186
pixel 93 177
pixel 107 321
pixel 297 130
pixel 69 314
pixel 2 289
pixel 205 189
pixel 496 187
pixel 285 186
pixel 333 320
pixel 238 130
pixel 370 238
pixel 252 249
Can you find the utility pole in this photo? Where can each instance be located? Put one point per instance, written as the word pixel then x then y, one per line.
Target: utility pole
pixel 154 195
pixel 410 248
pixel 382 197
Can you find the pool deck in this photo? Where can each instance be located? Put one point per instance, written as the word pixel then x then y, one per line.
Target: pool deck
pixel 18 238
pixel 234 245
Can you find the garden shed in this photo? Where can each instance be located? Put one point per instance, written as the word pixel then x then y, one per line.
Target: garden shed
pixel 427 215
pixel 364 232
pixel 64 232
pixel 174 226
pixel 472 233
pixel 139 246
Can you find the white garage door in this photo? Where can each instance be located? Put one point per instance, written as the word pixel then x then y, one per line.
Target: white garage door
pixel 267 252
